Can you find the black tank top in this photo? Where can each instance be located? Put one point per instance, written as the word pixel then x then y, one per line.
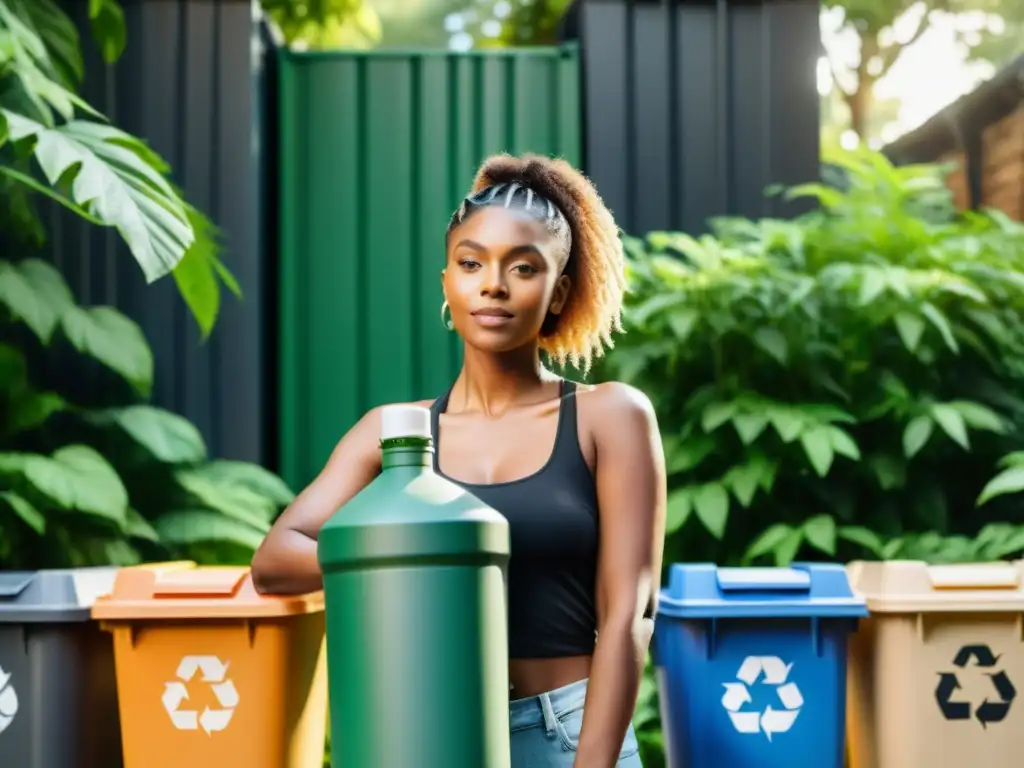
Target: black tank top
pixel 552 517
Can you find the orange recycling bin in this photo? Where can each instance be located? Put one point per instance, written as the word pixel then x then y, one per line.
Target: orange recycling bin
pixel 933 675
pixel 210 674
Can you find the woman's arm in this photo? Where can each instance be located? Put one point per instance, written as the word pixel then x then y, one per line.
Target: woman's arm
pixel 630 475
pixel 286 561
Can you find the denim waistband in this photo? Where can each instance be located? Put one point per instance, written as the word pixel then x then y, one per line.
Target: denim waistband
pixel 543 709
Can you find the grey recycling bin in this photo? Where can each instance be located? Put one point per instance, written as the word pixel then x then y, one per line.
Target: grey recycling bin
pixel 58 693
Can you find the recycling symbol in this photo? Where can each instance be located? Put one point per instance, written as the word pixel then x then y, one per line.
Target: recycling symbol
pixel 8 700
pixel 772 671
pixel 993 711
pixel 214 673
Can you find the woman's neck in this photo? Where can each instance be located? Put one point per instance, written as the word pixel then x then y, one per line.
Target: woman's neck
pixel 493 384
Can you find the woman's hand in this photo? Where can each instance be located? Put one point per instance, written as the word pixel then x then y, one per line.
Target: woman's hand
pixel 630 476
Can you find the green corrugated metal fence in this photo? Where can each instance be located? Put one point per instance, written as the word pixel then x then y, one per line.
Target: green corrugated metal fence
pixel 376 150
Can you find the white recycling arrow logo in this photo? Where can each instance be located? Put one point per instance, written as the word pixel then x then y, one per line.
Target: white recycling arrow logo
pixel 8 700
pixel 775 672
pixel 214 672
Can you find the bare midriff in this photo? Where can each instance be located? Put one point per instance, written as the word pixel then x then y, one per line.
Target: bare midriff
pixel 532 677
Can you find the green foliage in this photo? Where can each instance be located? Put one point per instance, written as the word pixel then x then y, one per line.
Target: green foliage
pixel 352 24
pixel 54 145
pixel 839 386
pixel 94 479
pixel 110 479
pixel 522 22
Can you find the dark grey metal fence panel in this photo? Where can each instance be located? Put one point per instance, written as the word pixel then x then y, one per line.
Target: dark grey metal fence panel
pixel 189 84
pixel 693 108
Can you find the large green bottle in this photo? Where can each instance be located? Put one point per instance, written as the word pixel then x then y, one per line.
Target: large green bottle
pixel 414 580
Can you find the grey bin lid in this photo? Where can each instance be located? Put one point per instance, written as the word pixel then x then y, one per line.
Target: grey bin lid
pixel 53 596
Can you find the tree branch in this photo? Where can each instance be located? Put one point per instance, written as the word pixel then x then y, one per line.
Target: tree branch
pixel 891 54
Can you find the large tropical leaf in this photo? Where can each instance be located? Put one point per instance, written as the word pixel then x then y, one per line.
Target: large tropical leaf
pixel 198 272
pixel 59 37
pixel 242 474
pixel 35 293
pixel 102 174
pixel 39 49
pixel 113 339
pixel 29 515
pixel 108 28
pixel 75 477
pixel 168 437
pixel 237 501
pixel 196 526
pixel 105 172
pixel 139 527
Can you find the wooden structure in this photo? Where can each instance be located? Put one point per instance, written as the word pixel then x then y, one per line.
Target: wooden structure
pixel 983 133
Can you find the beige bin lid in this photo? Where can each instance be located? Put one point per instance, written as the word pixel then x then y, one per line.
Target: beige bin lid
pixel 912 586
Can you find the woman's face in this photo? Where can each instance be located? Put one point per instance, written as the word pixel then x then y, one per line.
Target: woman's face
pixel 503 277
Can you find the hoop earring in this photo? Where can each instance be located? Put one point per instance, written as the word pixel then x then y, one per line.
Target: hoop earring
pixel 446 322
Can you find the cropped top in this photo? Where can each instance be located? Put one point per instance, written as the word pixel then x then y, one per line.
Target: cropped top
pixel 553 521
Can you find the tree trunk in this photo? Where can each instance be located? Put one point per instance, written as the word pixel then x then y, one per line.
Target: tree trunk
pixel 859 101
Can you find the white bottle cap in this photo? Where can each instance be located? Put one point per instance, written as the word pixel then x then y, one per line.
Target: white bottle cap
pixel 404 421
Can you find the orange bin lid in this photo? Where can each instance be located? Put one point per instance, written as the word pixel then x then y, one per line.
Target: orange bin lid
pixel 211 592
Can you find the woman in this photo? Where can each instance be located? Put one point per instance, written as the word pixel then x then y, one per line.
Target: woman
pixel 534 264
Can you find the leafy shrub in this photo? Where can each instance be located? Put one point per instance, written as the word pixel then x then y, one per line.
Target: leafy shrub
pixel 842 385
pixel 325 24
pixel 844 380
pixel 55 146
pixel 89 472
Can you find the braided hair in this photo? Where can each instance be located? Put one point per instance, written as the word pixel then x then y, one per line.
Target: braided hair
pixel 555 193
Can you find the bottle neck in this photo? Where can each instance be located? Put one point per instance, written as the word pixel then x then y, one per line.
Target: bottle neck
pixel 413 452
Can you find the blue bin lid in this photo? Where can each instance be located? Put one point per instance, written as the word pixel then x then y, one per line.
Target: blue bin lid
pixel 706 591
pixel 52 596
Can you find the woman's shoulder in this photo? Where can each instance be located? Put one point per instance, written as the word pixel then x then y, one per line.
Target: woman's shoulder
pixel 615 397
pixel 613 410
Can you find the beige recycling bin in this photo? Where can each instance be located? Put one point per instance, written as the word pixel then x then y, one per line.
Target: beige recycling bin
pixel 934 673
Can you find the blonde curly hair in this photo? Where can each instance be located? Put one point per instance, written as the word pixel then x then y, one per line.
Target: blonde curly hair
pixel 582 332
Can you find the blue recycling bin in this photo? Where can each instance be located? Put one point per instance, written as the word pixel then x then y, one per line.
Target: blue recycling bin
pixel 751 665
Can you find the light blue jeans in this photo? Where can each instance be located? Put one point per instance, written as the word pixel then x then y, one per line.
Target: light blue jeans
pixel 546 730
